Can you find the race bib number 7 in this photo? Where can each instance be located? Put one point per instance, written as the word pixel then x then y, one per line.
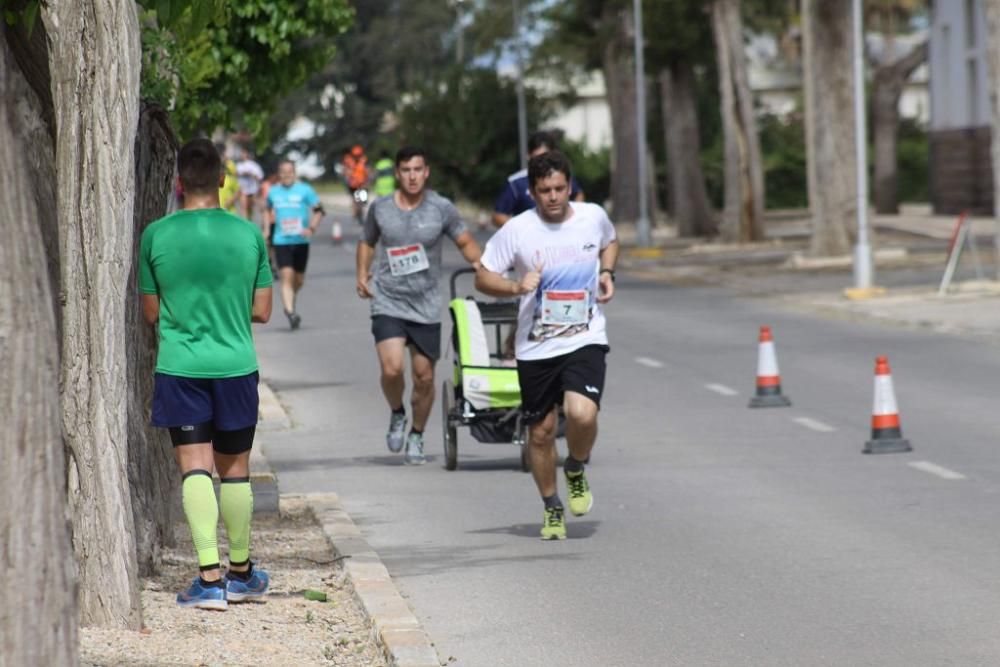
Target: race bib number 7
pixel 291 226
pixel 406 260
pixel 565 308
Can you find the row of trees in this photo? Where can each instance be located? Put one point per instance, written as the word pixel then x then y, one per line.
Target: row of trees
pixel 696 60
pixel 88 93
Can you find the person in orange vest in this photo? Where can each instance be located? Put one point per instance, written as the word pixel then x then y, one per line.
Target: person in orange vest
pixel 356 176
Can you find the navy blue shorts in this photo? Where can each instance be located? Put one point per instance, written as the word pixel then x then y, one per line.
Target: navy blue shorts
pixel 229 404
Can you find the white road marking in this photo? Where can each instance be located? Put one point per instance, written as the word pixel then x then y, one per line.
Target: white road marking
pixel 721 389
pixel 935 469
pixel 649 363
pixel 814 424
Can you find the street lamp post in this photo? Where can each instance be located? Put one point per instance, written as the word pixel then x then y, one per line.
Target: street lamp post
pixel 522 112
pixel 642 224
pixel 863 266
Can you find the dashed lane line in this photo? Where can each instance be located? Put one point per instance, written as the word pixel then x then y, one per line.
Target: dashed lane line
pixel 935 469
pixel 721 389
pixel 648 363
pixel 814 424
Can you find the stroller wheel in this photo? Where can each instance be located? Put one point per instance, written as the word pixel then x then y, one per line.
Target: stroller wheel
pixel 448 427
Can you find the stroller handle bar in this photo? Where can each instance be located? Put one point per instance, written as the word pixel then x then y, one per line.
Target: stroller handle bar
pixel 454 280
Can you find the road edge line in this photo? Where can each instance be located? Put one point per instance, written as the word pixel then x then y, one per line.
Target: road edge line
pixel 394 626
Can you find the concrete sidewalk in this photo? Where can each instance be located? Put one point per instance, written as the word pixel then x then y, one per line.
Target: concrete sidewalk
pixel 970 309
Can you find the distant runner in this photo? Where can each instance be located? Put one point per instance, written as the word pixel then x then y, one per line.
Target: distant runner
pixel 515 197
pixel 294 214
pixel 407 228
pixel 564 256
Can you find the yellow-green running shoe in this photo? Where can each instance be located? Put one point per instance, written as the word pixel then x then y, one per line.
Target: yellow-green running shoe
pixel 554 524
pixel 580 497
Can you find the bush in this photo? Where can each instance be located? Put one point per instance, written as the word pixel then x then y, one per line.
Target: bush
pixel 591 168
pixel 914 158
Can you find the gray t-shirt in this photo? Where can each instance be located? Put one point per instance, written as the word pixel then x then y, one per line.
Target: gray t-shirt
pixel 402 287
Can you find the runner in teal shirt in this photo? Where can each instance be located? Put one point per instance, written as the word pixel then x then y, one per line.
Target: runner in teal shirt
pixel 294 213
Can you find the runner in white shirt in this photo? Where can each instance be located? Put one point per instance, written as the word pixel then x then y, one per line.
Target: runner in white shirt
pixel 563 255
pixel 249 175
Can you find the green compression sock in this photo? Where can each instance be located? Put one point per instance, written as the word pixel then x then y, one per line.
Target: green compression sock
pixel 202 511
pixel 236 505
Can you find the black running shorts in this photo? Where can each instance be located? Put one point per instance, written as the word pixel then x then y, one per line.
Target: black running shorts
pixel 545 381
pixel 425 337
pixel 295 255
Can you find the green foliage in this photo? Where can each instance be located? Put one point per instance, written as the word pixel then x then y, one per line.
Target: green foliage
pixel 223 63
pixel 914 158
pixel 467 123
pixel 591 168
pixel 26 12
pixel 783 151
pixel 393 47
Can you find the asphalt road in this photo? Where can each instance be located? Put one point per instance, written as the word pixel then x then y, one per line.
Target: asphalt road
pixel 720 535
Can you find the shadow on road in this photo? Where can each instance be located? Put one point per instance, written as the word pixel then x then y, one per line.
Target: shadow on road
pixel 416 561
pixel 575 530
pixel 279 385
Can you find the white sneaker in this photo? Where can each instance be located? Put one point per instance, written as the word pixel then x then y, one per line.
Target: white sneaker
pixel 397 432
pixel 415 450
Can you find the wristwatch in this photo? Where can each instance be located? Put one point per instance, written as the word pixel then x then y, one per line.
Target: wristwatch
pixel 610 272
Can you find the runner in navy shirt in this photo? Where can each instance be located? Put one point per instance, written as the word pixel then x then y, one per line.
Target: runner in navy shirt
pixel 515 197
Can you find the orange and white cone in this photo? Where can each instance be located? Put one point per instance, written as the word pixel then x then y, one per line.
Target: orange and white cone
pixel 338 232
pixel 768 375
pixel 887 435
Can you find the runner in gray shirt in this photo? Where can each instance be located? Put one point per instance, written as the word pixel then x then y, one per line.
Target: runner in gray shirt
pixel 404 231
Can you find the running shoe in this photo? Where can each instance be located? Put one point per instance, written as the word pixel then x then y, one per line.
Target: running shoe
pixel 580 497
pixel 415 450
pixel 254 588
pixel 295 320
pixel 554 524
pixel 396 436
pixel 203 597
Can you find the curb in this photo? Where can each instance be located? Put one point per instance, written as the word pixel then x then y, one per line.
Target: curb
pixel 271 414
pixel 394 626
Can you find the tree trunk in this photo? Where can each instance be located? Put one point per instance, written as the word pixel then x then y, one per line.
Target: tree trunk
pixel 890 79
pixel 685 181
pixel 38 624
pixel 94 59
pixel 619 75
pixel 827 71
pixel 992 11
pixel 743 216
pixel 152 472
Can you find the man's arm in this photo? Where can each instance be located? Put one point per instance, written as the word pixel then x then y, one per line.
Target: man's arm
pixel 500 219
pixel 363 260
pixel 494 284
pixel 151 307
pixel 609 257
pixel 469 248
pixel 261 311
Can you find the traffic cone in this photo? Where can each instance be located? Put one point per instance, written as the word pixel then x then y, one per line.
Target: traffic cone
pixel 338 232
pixel 768 376
pixel 887 436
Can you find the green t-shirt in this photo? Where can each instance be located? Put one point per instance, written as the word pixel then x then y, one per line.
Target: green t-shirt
pixel 204 265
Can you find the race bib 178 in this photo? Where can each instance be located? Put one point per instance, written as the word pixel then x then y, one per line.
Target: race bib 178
pixel 405 260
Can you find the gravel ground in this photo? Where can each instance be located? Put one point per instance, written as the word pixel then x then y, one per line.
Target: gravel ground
pixel 287 629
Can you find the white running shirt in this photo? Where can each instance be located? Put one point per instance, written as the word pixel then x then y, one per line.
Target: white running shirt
pixel 569 255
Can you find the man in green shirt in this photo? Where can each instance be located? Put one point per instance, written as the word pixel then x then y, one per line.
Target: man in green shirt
pixel 204 275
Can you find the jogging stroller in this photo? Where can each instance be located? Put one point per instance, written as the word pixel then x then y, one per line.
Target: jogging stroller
pixel 482 393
